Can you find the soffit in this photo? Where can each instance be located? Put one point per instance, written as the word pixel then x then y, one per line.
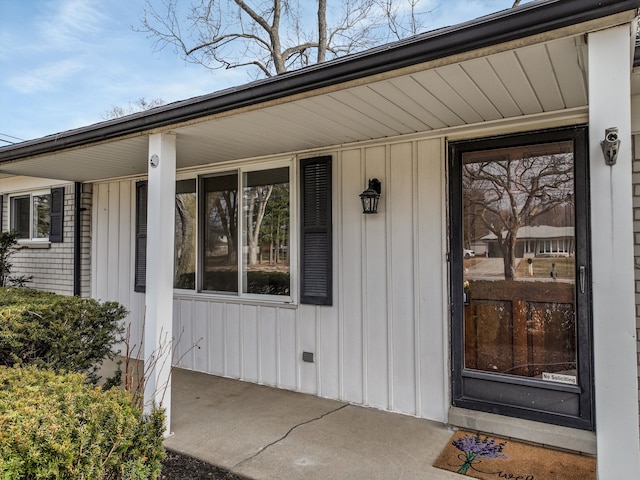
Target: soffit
pixel 534 79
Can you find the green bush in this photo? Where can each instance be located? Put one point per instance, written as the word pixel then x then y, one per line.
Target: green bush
pixel 56 426
pixel 268 283
pixel 56 331
pixel 8 248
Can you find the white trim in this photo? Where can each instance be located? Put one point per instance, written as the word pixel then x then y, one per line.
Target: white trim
pixel 158 329
pixel 614 325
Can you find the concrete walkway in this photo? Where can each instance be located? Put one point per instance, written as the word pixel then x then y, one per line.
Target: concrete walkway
pixel 266 433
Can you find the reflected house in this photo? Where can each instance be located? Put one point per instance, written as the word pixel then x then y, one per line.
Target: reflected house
pixel 536 241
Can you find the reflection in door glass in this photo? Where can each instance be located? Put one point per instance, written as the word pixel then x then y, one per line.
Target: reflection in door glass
pixel 519 268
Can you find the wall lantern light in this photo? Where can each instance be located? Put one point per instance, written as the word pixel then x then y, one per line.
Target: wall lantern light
pixel 610 145
pixel 371 196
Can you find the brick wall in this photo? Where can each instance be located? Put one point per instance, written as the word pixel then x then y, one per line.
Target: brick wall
pixel 636 233
pixel 52 267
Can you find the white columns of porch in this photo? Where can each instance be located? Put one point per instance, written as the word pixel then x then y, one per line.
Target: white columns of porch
pixel 614 334
pixel 158 334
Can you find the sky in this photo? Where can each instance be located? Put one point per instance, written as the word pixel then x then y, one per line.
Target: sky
pixel 65 63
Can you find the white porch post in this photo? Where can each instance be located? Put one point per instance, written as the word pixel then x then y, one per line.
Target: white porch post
pixel 158 334
pixel 614 334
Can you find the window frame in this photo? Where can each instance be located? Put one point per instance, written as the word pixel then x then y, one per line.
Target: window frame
pixel 293 239
pixel 297 273
pixel 195 178
pixel 10 214
pixel 525 398
pixel 240 172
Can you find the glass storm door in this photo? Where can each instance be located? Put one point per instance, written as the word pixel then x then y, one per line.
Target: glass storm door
pixel 520 277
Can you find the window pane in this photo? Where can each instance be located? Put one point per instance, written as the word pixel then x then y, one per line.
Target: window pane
pixel 266 232
pixel 185 241
pixel 41 215
pixel 220 232
pixel 20 213
pixel 519 274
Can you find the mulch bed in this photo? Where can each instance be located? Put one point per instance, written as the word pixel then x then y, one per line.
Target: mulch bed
pixel 177 466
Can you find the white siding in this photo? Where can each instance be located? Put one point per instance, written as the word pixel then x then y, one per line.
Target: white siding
pixel 382 342
pixel 113 246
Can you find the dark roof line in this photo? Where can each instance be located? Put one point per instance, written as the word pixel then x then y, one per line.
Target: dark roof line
pixel 512 24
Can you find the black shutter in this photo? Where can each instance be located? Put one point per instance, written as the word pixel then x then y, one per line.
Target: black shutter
pixel 141 237
pixel 316 260
pixel 56 214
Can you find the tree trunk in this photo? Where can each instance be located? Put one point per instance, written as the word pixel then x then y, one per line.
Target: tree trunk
pixel 509 256
pixel 253 230
pixel 322 30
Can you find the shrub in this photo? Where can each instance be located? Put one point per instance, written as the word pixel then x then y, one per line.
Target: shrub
pixel 58 426
pixel 8 248
pixel 56 331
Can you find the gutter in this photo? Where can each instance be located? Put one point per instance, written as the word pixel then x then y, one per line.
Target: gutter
pixel 507 25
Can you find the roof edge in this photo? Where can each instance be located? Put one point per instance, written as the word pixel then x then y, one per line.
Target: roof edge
pixel 507 25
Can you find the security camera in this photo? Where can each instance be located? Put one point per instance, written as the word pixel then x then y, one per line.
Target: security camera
pixel 610 145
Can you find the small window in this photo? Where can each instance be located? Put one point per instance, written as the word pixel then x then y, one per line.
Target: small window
pixel 31 214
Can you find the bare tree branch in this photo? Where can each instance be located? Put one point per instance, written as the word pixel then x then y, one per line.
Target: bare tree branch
pixel 508 194
pixel 139 105
pixel 274 35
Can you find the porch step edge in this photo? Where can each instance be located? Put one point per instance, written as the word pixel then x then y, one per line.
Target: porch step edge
pixel 564 438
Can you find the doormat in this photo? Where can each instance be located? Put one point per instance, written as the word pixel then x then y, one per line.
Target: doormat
pixel 489 457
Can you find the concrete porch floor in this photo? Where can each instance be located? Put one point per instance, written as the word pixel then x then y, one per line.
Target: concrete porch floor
pixel 266 433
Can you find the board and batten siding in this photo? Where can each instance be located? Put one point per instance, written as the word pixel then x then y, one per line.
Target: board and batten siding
pixel 381 344
pixel 636 231
pixel 113 260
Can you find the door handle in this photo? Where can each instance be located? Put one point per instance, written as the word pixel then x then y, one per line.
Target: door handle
pixel 583 270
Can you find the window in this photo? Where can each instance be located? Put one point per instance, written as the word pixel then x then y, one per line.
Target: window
pixel 255 223
pixel 266 228
pixel 184 272
pixel 219 259
pixel 233 232
pixel 37 216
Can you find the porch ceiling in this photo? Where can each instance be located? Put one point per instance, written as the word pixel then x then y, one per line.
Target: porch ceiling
pixel 544 77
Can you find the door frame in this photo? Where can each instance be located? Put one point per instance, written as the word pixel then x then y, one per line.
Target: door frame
pixel 478 390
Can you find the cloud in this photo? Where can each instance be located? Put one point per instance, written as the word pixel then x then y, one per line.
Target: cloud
pixel 47 77
pixel 70 23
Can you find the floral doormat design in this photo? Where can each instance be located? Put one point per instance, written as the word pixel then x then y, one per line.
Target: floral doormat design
pixel 487 457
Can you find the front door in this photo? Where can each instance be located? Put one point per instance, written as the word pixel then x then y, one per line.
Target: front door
pixel 520 288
